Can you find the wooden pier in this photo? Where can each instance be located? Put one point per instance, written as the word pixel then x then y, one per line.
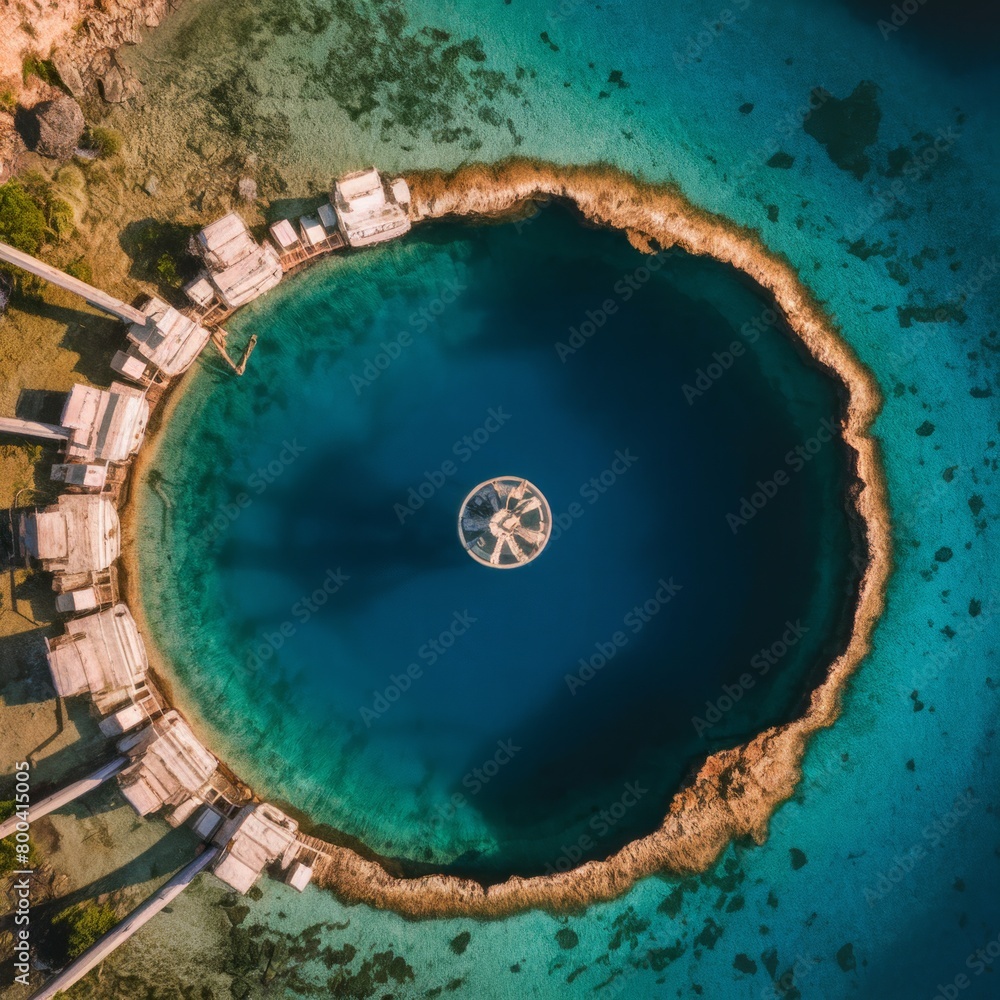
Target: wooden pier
pixel 295 257
pixel 33 429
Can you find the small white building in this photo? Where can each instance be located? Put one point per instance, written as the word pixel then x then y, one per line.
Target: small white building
pixel 105 425
pixel 237 266
pixel 201 291
pixel 299 875
pixel 169 768
pixel 168 342
pixel 102 655
pixel 371 209
pixel 74 602
pixel 313 233
pixel 256 837
pixel 328 217
pixel 284 236
pixel 78 536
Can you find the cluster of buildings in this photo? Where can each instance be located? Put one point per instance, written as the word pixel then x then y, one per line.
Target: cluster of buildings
pixel 364 208
pixel 162 766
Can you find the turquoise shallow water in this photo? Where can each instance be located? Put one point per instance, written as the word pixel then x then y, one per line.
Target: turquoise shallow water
pixel 897 865
pixel 348 653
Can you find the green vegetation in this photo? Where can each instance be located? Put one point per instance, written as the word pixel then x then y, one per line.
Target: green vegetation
pixel 80 268
pixel 22 222
pixel 77 928
pixel 60 223
pixel 107 141
pixel 166 268
pixel 9 859
pixel 31 215
pixel 8 102
pixel 159 251
pixel 44 69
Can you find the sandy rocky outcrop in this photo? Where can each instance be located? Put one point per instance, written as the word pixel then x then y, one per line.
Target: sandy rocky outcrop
pixel 81 38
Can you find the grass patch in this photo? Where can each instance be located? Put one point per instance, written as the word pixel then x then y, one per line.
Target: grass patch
pixel 76 929
pixel 44 69
pixel 106 141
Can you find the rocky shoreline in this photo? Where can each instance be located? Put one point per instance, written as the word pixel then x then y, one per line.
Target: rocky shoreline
pixel 80 38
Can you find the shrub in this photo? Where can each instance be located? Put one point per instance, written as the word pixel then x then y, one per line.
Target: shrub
pixel 166 268
pixel 44 69
pixel 8 102
pixel 60 218
pixel 80 926
pixel 22 222
pixel 159 250
pixel 107 141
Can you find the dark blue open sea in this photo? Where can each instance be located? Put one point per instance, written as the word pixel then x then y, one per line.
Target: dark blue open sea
pixel 333 643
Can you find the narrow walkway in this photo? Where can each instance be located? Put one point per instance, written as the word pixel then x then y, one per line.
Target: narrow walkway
pixel 104 946
pixel 65 795
pixel 33 429
pixel 96 298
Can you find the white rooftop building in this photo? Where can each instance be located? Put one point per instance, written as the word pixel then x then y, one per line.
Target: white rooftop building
pixel 299 875
pixel 101 654
pixel 284 235
pixel 168 342
pixel 78 535
pixel 371 209
pixel 328 217
pixel 106 425
pixel 256 837
pixel 170 768
pixel 76 601
pixel 237 266
pixel 312 230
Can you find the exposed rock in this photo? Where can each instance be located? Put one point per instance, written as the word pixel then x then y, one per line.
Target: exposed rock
pixel 60 125
pixel 68 73
pixel 112 86
pixel 247 189
pixel 152 185
pixel 84 36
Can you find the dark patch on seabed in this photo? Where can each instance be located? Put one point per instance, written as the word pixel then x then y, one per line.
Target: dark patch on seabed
pixel 407 81
pixel 845 127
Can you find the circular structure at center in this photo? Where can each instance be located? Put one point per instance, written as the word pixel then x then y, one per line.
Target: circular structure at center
pixel 505 522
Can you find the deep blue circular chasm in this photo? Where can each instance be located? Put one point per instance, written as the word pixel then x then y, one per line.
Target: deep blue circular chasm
pixel 622 655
